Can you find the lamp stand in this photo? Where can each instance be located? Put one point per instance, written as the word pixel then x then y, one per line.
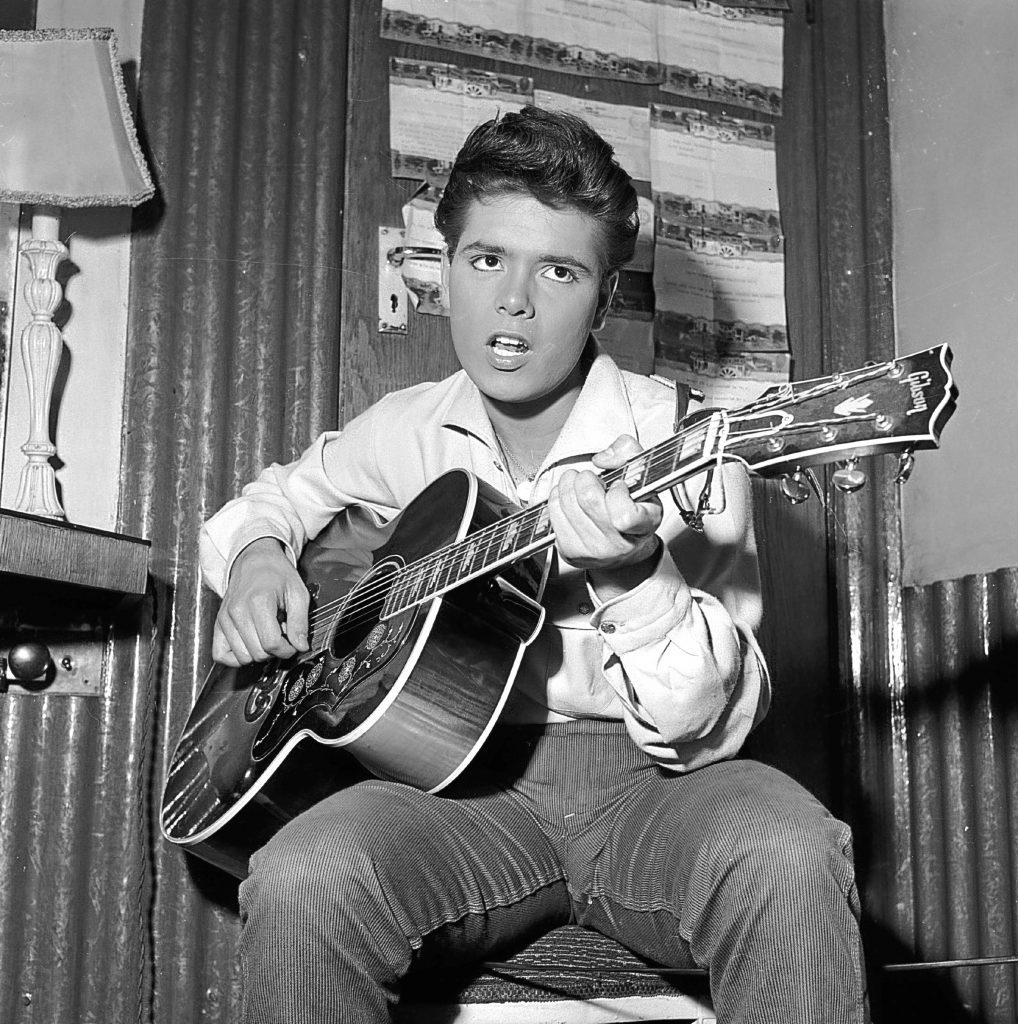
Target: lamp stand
pixel 41 348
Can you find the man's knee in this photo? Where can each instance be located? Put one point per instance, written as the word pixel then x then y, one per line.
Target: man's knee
pixel 332 848
pixel 801 860
pixel 772 835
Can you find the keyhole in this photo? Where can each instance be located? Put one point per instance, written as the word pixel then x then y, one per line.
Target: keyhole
pixel 394 301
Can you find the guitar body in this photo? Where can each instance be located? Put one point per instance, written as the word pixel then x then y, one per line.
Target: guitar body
pixel 411 696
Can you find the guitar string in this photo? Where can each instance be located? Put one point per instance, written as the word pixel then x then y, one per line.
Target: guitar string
pixel 507 530
pixel 456 554
pixel 504 532
pixel 498 537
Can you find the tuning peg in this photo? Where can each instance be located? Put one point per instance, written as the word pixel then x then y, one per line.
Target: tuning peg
pixel 794 487
pixel 906 460
pixel 849 478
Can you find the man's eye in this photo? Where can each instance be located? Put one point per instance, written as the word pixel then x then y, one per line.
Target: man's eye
pixel 486 262
pixel 563 274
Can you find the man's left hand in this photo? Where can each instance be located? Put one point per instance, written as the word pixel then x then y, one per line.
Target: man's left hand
pixel 603 530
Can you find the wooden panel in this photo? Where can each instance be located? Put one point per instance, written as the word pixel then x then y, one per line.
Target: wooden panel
pixel 855 274
pixel 373 364
pixel 52 550
pixel 800 733
pixel 797 736
pixel 17 14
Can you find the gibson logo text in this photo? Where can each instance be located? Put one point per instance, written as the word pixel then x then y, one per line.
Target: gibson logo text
pixel 917 383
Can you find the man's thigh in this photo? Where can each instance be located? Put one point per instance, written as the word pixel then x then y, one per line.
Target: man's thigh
pixel 462 875
pixel 677 845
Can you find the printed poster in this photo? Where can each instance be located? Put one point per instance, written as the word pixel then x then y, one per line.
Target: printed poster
pixel 434 105
pixel 731 53
pixel 719 273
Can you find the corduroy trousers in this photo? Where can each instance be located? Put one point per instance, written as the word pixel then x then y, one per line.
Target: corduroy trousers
pixel 733 867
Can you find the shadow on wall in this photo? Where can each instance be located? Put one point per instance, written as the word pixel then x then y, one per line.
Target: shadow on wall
pixel 961 725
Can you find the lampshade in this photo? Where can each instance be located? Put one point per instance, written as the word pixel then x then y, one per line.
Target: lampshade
pixel 67 137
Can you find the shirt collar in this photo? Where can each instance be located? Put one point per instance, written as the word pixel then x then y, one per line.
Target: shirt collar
pixel 602 412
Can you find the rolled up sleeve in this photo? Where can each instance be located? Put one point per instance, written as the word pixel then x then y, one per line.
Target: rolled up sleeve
pixel 683 661
pixel 288 502
pixel 294 502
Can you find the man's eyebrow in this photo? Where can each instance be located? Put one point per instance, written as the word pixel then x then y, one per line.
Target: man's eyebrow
pixel 557 259
pixel 481 246
pixel 566 261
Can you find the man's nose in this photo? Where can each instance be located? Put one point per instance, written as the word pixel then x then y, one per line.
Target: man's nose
pixel 514 298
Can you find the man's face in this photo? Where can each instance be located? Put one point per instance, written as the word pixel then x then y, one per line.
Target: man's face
pixel 525 286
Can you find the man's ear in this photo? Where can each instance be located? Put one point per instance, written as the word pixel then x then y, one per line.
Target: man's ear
pixel 604 299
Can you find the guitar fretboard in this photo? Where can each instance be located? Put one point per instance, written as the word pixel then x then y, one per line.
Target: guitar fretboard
pixel 529 530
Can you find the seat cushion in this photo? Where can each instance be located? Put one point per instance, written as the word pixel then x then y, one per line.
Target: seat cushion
pixel 570 962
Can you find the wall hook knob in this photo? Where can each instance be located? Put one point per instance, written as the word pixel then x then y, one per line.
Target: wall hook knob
pixel 29 662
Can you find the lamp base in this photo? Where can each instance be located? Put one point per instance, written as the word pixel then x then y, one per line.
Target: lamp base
pixel 37 488
pixel 41 347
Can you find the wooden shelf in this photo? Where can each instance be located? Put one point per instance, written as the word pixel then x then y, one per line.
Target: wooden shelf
pixel 48 549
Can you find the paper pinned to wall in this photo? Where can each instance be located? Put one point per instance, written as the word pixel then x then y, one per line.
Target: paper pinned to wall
pixel 424 250
pixel 713 51
pixel 434 105
pixel 710 229
pixel 727 382
pixel 719 273
pixel 598 38
pixel 624 127
pixel 698 48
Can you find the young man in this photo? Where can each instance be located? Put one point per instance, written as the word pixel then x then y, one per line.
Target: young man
pixel 609 794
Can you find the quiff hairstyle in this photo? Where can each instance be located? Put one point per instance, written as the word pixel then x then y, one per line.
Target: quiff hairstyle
pixel 555 157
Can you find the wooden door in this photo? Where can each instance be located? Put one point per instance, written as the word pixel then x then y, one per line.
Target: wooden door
pixel 797 735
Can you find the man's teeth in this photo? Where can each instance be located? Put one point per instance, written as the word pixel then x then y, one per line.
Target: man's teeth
pixel 511 343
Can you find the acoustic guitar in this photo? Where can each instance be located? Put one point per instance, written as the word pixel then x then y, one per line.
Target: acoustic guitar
pixel 418 624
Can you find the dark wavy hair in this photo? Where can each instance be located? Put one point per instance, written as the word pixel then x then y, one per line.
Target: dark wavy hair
pixel 555 157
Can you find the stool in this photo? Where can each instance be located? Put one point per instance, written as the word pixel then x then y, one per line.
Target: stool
pixel 570 976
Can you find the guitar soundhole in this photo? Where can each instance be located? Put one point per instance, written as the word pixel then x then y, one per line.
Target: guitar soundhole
pixel 358 625
pixel 322 693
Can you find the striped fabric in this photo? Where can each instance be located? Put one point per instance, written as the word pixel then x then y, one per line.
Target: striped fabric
pixel 734 868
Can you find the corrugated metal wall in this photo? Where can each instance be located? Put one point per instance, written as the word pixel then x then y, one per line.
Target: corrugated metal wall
pixel 233 353
pixel 75 851
pixel 232 360
pixel 957 768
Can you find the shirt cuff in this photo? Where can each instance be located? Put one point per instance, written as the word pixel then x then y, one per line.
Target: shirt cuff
pixel 647 613
pixel 216 565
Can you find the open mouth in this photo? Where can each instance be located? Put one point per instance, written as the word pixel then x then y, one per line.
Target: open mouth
pixel 508 344
pixel 507 352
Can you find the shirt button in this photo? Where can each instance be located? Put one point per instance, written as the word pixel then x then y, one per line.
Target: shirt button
pixel 608 627
pixel 584 607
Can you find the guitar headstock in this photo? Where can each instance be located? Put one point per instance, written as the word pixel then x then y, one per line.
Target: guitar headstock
pixel 897 406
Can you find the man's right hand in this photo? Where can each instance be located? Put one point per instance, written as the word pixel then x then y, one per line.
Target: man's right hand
pixel 264 612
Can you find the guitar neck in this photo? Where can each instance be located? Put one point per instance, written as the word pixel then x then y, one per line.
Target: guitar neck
pixel 895 406
pixel 528 531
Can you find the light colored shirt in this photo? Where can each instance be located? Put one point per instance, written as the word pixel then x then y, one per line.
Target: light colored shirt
pixel 675 658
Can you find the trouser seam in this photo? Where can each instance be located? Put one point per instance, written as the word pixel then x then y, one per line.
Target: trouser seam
pixel 417 941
